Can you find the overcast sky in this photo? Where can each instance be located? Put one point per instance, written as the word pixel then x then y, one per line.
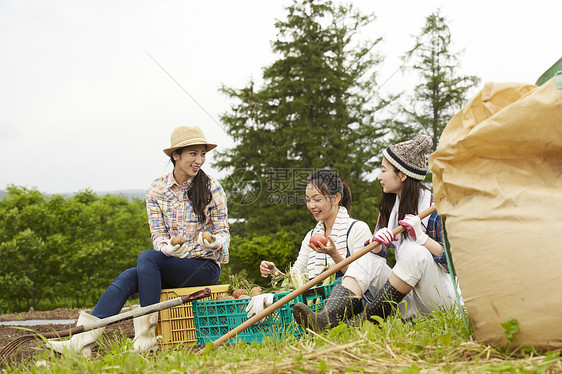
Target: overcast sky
pixel 83 105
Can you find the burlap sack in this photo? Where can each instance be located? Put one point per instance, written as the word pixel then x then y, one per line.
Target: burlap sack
pixel 498 184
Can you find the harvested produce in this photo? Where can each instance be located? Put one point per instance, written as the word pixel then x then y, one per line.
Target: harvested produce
pixel 288 281
pixel 256 291
pixel 239 292
pixel 316 239
pixel 224 296
pixel 207 236
pixel 178 239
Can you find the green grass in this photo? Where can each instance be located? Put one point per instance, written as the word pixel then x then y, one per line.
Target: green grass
pixel 438 344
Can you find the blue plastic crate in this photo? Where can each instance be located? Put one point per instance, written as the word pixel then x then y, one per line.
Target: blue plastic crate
pixel 213 319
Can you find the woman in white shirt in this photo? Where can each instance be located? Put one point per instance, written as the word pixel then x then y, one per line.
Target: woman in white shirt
pixel 329 201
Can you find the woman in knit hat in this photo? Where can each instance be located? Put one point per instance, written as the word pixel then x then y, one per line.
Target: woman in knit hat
pixel 184 202
pixel 420 275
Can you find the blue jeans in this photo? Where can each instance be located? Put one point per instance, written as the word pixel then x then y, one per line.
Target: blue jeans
pixel 154 272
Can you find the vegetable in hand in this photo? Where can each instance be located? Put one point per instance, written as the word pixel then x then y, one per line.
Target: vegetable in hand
pixel 208 237
pixel 179 239
pixel 316 239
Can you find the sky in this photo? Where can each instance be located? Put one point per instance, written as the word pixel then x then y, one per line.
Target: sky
pixel 90 91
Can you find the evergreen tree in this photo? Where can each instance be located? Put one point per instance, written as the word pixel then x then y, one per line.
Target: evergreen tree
pixel 441 91
pixel 316 108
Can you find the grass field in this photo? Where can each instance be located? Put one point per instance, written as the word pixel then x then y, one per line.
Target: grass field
pixel 438 344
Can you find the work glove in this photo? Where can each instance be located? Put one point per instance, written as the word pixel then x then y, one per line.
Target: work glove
pixel 383 236
pixel 259 303
pixel 178 250
pixel 412 224
pixel 205 244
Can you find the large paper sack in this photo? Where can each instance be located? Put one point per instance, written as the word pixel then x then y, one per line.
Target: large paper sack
pixel 498 184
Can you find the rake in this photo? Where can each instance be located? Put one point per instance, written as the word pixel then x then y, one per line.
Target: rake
pixel 12 346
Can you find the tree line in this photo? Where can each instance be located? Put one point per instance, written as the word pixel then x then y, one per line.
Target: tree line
pixel 64 251
pixel 57 248
pixel 319 105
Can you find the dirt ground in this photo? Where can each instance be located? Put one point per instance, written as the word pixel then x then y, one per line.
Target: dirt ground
pixel 27 349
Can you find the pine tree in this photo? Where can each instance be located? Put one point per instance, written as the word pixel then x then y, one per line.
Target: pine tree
pixel 441 91
pixel 315 109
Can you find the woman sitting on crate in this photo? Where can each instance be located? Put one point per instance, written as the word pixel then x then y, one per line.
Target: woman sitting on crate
pixel 185 202
pixel 420 274
pixel 329 201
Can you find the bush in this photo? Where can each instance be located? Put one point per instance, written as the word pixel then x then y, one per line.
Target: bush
pixel 56 248
pixel 247 253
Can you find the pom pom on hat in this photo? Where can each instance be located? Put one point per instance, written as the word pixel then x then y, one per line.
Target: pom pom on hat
pixel 409 156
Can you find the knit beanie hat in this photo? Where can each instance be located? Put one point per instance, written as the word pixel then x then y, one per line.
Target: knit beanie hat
pixel 409 156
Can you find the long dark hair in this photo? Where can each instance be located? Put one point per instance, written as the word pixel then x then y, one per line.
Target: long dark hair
pixel 408 202
pixel 200 191
pixel 329 183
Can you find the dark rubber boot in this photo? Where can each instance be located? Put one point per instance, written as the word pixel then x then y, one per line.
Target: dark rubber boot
pixel 385 303
pixel 338 306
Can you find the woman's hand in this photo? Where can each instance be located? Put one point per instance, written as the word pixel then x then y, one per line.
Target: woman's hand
pixel 384 236
pixel 178 250
pixel 213 244
pixel 329 248
pixel 413 225
pixel 267 268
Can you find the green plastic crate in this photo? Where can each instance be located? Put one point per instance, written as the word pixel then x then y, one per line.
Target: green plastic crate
pixel 213 319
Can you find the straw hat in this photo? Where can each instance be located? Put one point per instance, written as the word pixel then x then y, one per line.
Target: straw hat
pixel 184 136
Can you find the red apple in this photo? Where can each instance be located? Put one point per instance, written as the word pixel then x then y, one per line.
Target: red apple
pixel 316 239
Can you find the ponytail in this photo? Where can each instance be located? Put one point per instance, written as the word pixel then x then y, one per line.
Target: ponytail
pixel 346 198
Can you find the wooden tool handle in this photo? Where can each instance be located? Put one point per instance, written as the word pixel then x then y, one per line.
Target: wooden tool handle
pixel 311 283
pixel 132 314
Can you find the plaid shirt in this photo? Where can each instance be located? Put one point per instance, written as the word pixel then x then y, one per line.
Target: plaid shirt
pixel 434 230
pixel 170 213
